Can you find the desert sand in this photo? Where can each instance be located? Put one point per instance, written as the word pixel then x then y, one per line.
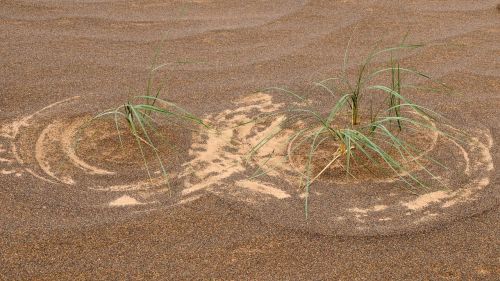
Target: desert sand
pixel 89 212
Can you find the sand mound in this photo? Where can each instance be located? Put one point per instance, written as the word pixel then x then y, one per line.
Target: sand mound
pixel 70 151
pixel 366 205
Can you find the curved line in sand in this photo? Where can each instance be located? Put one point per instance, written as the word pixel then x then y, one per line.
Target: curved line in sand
pixel 184 201
pixel 450 198
pixel 137 186
pixel 465 154
pixel 59 135
pixel 290 164
pixel 68 147
pixel 13 149
pixel 41 155
pixel 57 132
pixel 39 177
pixel 12 130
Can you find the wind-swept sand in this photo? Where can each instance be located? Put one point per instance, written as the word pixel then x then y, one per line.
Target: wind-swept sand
pixel 70 213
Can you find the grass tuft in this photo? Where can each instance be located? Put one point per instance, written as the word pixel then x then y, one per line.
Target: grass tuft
pixel 140 116
pixel 369 120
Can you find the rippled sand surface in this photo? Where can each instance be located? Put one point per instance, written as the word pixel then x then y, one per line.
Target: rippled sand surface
pixel 216 54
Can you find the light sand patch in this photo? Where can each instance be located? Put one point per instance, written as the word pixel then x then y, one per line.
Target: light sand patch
pixel 376 208
pixel 123 201
pixel 427 217
pixel 212 164
pixel 483 271
pixel 425 200
pixel 13 149
pixel 5 160
pixel 7 172
pixel 189 199
pixel 43 148
pixel 263 188
pixel 467 194
pixel 485 151
pixel 361 214
pixel 220 155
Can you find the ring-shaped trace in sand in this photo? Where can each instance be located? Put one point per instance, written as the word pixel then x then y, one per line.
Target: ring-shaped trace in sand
pixel 45 145
pixel 266 186
pixel 272 191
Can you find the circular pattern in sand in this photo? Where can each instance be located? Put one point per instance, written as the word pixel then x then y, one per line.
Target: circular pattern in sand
pixel 70 151
pixel 272 191
pixel 266 186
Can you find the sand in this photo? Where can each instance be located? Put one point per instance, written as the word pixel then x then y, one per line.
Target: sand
pixel 70 213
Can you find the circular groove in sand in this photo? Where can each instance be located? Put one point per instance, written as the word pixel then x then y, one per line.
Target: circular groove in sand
pixel 218 166
pixel 55 160
pixel 220 169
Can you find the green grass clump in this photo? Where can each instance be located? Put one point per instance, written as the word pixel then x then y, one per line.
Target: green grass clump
pixel 141 115
pixel 367 117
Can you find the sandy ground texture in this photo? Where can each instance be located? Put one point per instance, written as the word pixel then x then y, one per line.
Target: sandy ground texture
pixel 89 212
